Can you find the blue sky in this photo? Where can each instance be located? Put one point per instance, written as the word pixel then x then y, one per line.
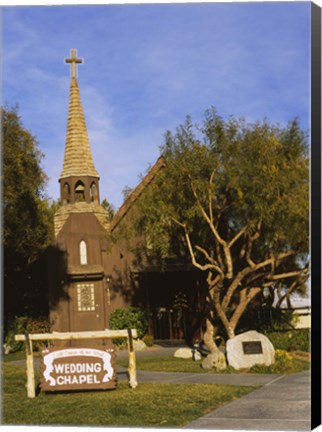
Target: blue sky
pixel 148 66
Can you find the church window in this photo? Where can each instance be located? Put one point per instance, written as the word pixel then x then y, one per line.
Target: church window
pixel 93 192
pixel 83 252
pixel 79 192
pixel 66 197
pixel 85 297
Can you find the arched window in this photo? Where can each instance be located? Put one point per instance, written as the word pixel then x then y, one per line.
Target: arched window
pixel 83 252
pixel 66 198
pixel 79 191
pixel 93 192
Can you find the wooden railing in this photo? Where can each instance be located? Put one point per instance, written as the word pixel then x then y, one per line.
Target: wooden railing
pixel 129 334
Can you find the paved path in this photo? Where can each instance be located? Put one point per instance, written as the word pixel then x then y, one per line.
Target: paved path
pixel 282 404
pixel 199 378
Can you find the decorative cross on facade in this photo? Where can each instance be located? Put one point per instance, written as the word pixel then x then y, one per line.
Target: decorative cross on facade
pixel 73 60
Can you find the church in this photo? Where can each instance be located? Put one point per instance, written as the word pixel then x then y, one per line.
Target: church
pixel 90 276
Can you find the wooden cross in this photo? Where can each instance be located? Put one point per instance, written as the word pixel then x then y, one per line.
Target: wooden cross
pixel 73 60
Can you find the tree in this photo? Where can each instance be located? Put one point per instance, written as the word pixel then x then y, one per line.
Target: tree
pixel 237 194
pixel 27 227
pixel 109 208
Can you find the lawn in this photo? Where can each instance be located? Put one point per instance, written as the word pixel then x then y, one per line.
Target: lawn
pixel 149 405
pixel 173 364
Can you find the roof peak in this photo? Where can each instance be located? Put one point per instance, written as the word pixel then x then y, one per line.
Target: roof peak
pixel 78 157
pixel 73 60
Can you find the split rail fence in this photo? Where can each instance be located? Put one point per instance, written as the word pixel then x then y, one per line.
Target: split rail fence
pixel 128 334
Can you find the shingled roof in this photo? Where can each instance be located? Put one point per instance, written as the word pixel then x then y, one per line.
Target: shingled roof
pixel 63 213
pixel 78 157
pixel 135 194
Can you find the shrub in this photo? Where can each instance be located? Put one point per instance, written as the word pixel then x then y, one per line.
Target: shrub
pixel 292 340
pixel 22 325
pixel 148 340
pixel 282 357
pixel 284 363
pixel 129 318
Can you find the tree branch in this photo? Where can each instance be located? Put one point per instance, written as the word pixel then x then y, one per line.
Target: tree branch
pixel 244 299
pixel 206 254
pixel 229 261
pixel 213 282
pixel 285 275
pixel 222 315
pixel 237 236
pixel 247 270
pixel 192 255
pixel 210 194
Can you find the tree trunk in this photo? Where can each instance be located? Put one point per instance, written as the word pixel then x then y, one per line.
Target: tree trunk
pixel 209 337
pixel 244 300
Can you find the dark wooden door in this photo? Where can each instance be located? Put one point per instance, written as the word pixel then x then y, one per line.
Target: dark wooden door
pixel 87 306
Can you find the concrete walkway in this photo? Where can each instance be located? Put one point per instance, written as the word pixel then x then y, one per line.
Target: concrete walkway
pixel 199 378
pixel 281 404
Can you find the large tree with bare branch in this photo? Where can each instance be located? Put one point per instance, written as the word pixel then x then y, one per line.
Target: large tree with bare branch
pixel 238 195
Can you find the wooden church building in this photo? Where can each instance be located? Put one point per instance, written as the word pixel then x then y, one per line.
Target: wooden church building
pixel 89 277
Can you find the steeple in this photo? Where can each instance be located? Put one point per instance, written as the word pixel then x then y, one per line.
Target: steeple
pixel 79 178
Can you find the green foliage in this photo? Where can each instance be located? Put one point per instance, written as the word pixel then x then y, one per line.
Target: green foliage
pixel 127 190
pixel 282 357
pixel 148 340
pixel 22 325
pixel 27 219
pixel 261 173
pixel 25 224
pixel 232 197
pixel 129 318
pixel 284 364
pixel 292 340
pixel 109 207
pixel 16 326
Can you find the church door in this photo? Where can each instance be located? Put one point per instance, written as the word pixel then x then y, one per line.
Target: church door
pixel 87 306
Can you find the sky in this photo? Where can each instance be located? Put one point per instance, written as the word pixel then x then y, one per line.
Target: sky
pixel 146 67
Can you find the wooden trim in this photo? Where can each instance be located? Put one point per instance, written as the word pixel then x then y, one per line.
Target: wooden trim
pixel 101 334
pixel 125 207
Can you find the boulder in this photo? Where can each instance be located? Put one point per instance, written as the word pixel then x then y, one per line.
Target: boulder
pixel 243 353
pixel 215 361
pixel 139 345
pixel 185 353
pixel 196 355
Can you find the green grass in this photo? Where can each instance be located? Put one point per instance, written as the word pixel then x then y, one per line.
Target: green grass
pixel 149 405
pixel 296 365
pixel 165 364
pixel 173 364
pixel 18 355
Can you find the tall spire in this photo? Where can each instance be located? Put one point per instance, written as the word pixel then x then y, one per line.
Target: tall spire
pixel 78 157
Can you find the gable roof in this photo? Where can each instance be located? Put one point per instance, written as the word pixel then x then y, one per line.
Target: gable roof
pixel 132 198
pixel 64 211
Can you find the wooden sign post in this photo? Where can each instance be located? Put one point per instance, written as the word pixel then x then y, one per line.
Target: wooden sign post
pixel 30 368
pixel 77 368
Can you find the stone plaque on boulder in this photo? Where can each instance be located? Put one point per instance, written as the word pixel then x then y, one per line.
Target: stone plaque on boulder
pixel 253 347
pixel 248 349
pixel 78 369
